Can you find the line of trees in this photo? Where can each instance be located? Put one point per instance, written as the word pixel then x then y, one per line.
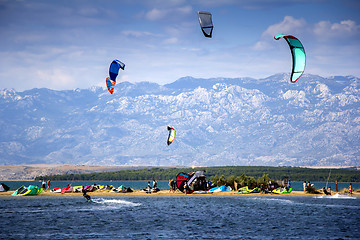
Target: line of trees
pixel 244 180
pixel 278 173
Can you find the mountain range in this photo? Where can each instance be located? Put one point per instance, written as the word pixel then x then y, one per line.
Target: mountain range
pixel 218 121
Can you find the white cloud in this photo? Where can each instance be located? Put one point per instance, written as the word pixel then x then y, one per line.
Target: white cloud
pixel 262 45
pixel 289 25
pixel 320 31
pixel 173 40
pixel 137 34
pixel 252 4
pixel 159 14
pixel 325 30
pixel 88 11
pixel 29 37
pixel 184 10
pixel 58 78
pixel 161 3
pixel 329 46
pixel 155 14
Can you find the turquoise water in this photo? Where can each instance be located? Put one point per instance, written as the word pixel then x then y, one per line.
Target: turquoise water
pixel 180 217
pixel 163 185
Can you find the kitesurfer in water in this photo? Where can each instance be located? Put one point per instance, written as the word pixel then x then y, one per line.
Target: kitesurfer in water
pixel 84 191
pixel 326 191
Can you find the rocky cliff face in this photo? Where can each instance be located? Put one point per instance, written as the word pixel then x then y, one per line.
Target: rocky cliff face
pixel 243 121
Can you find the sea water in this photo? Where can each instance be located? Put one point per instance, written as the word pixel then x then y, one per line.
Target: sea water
pixel 180 217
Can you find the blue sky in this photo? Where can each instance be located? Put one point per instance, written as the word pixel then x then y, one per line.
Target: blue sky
pixel 69 44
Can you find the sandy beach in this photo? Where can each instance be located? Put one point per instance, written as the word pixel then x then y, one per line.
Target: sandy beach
pixel 167 193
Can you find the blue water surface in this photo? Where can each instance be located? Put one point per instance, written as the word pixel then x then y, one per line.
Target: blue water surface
pixel 180 217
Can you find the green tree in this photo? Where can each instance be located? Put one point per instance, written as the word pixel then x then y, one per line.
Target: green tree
pixel 230 181
pixel 263 180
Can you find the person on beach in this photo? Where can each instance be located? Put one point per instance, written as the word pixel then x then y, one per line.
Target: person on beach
pixel 350 189
pixel 185 188
pixel 304 186
pixel 84 191
pixel 43 185
pixel 271 186
pixel 171 185
pixel 149 188
pixel 174 185
pixel 336 186
pixel 154 183
pixel 262 189
pixel 209 184
pixel 288 186
pixel 48 184
pixel 329 190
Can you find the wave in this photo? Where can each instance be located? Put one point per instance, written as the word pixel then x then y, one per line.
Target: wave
pixel 277 200
pixel 115 202
pixel 336 196
pixel 315 203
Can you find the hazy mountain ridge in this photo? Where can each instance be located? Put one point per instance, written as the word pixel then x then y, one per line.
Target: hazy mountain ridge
pixel 219 121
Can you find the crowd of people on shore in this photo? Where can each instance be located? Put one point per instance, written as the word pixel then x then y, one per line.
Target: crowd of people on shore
pixel 150 189
pixel 201 185
pixel 204 186
pixel 326 191
pixel 43 185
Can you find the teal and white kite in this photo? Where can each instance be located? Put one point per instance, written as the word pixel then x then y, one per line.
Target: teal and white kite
pixel 298 55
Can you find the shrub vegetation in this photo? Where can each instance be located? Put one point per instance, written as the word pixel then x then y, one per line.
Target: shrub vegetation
pixel 243 175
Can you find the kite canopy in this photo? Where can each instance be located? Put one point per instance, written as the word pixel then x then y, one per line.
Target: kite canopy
pixel 281 190
pixel 298 55
pixel 181 179
pixel 114 69
pixel 109 85
pixel 115 66
pixel 206 23
pixel 31 190
pixel 4 187
pixel 171 136
pixel 222 188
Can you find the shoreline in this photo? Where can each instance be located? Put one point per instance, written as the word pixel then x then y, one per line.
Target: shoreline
pixel 167 193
